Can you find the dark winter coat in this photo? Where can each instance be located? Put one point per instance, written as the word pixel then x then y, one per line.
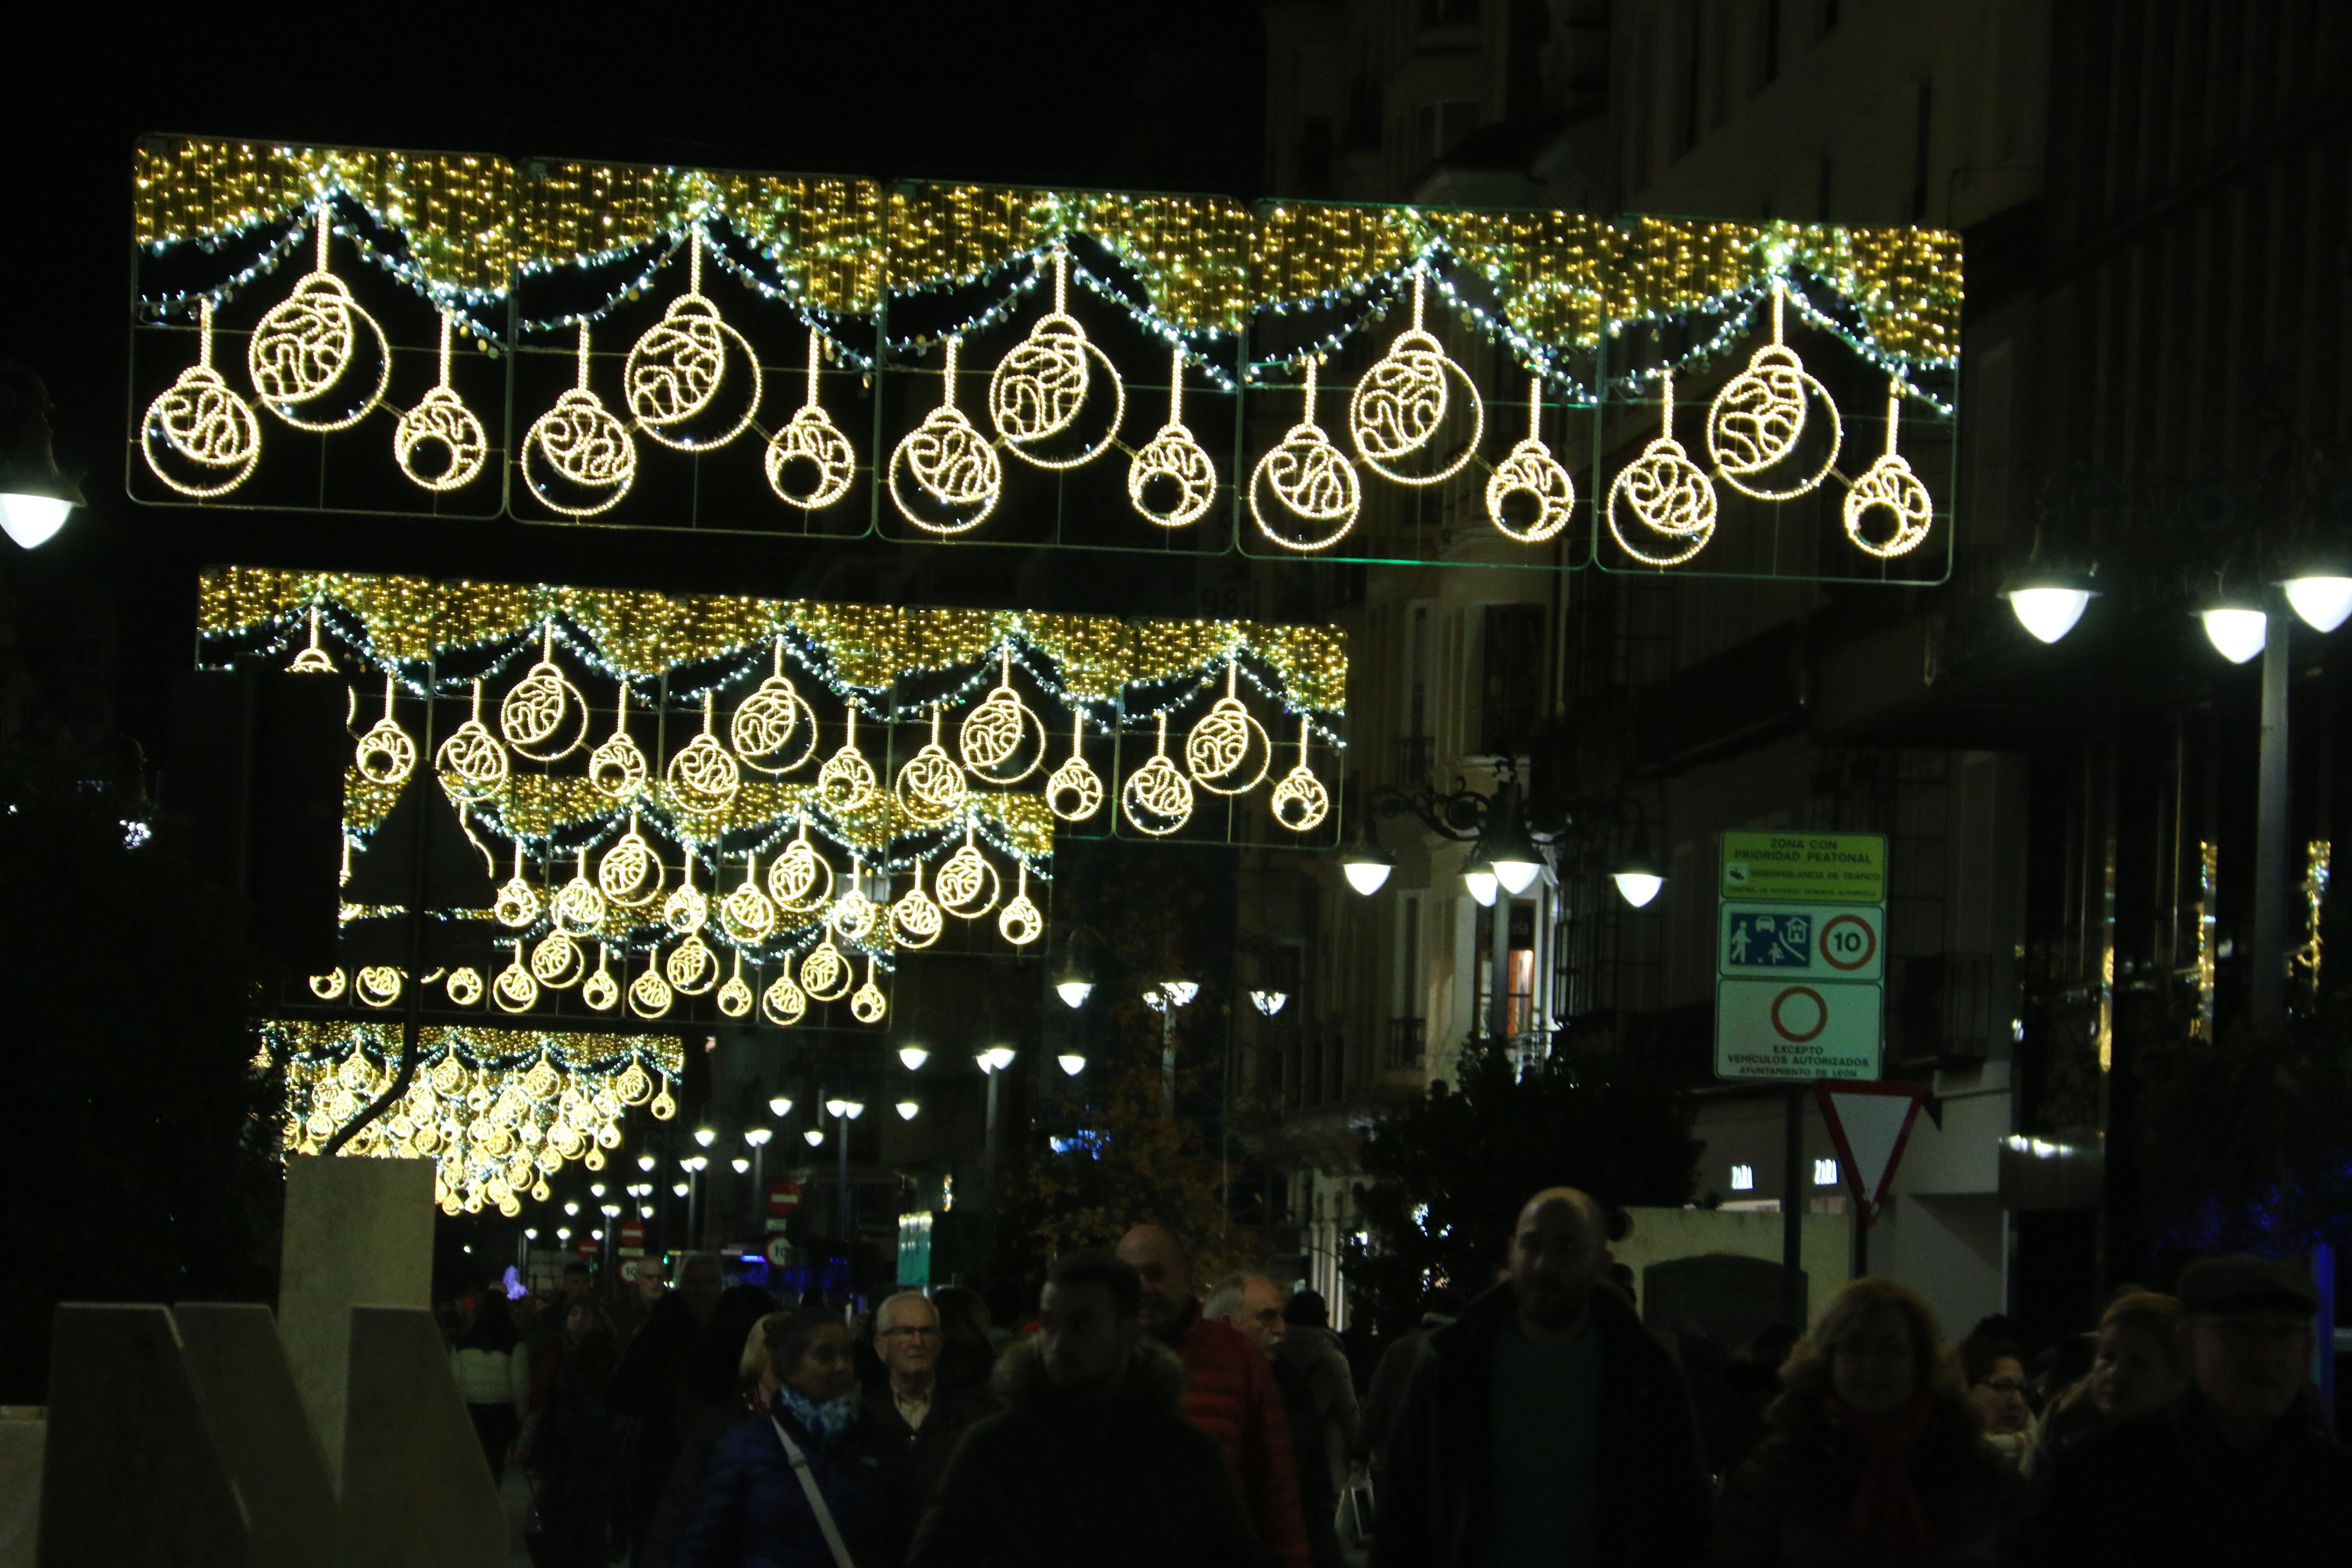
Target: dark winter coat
pixel 928 1447
pixel 1789 1504
pixel 753 1511
pixel 1058 1480
pixel 2165 1488
pixel 1652 1483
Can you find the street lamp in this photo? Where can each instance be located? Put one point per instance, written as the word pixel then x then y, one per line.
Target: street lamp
pixel 907 1110
pixel 816 1136
pixel 680 1188
pixel 2323 601
pixel 1071 983
pixel 35 497
pixel 779 1106
pixel 742 1164
pixel 1637 876
pixel 2048 597
pixel 1363 862
pixel 1269 1003
pixel 1507 847
pixel 758 1136
pixel 992 1063
pixel 705 1136
pixel 913 1056
pixel 1480 878
pixel 1072 1063
pixel 2237 631
pixel 645 1161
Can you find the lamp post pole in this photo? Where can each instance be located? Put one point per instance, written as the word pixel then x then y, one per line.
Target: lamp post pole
pixel 841 1139
pixel 2270 823
pixel 1498 1003
pixel 1167 1057
pixel 988 1170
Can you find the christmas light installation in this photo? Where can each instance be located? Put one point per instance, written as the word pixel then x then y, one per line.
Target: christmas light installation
pixel 1888 486
pixel 1661 507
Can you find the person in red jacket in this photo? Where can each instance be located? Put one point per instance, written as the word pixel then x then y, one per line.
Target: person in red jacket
pixel 1230 1391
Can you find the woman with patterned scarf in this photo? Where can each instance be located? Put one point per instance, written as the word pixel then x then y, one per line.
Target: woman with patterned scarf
pixel 800 1486
pixel 1874 1456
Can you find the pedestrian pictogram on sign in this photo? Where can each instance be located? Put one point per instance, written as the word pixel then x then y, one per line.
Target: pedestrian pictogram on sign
pixel 1825 942
pixel 1870 1123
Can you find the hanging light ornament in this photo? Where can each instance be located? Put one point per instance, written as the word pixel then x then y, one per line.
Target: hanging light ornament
pixel 949 461
pixel 966 885
pixel 630 873
pixel 1174 460
pixel 846 781
pixel 580 442
pixel 1040 387
pixel 1309 478
pixel 691 967
pixel 1661 495
pixel 1888 485
pixel 1021 921
pixel 1401 404
pixel 617 769
pixel 916 919
pixel 747 914
pixel 735 997
pixel 1219 744
pixel 997 730
pixel 533 710
pixel 1757 421
pixel 556 962
pixel 1299 800
pixel 302 348
pixel 199 419
pixel 687 908
pixel 649 994
pixel 931 787
pixel 824 973
pixel 385 755
pixel 471 763
pixel 1156 798
pixel 811 436
pixel 313 659
pixel 1074 792
pixel 442 427
pixel 1532 471
pixel 869 1005
pixel 463 987
pixel 579 905
pixel 518 903
pixel 677 366
pixel 800 879
pixel 599 990
pixel 783 1004
pixel 854 914
pixel 703 775
pixel 514 989
pixel 765 722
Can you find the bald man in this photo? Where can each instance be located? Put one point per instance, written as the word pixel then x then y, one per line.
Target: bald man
pixel 1544 1424
pixel 1229 1392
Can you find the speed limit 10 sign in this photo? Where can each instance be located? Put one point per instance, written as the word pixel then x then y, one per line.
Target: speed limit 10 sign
pixel 1816 941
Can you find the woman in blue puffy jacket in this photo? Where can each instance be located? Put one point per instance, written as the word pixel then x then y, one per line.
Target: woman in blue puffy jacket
pixel 803 1486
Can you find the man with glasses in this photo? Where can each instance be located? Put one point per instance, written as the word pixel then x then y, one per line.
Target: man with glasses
pixel 2240 1469
pixel 1995 1370
pixel 911 1407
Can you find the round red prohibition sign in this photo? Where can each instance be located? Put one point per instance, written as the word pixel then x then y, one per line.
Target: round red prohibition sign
pixel 1820 1008
pixel 1830 946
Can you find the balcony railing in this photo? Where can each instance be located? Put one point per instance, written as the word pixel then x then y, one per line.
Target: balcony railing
pixel 1408 1039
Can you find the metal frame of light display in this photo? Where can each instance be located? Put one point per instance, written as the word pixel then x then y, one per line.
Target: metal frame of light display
pixel 958 364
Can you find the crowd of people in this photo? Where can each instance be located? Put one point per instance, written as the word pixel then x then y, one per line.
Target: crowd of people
pixel 1141 1417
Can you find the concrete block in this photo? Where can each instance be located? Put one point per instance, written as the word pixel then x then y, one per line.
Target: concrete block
pixel 416 1490
pixel 358 1233
pixel 240 1371
pixel 133 1476
pixel 24 1430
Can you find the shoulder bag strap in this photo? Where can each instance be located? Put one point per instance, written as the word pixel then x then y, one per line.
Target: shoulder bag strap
pixel 838 1547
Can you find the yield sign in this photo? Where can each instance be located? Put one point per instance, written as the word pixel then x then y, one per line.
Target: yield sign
pixel 1869 1123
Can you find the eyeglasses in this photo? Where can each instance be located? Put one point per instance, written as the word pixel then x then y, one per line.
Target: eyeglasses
pixel 2003 1385
pixel 908 1334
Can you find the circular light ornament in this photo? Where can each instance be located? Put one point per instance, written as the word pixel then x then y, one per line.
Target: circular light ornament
pixel 1021 921
pixel 581 444
pixel 1218 744
pixel 471 763
pixel 846 781
pixel 1299 801
pixel 784 1004
pixel 703 773
pixel 800 879
pixel 811 443
pixel 617 769
pixel 867 1004
pixel 1075 791
pixel 825 973
pixel 966 885
pixel 915 918
pixel 956 477
pixel 531 713
pixel 1172 481
pixel 302 348
pixel 600 991
pixel 1306 478
pixel 1757 422
pixel 677 366
pixel 1661 507
pixel 735 998
pixel 439 443
pixel 765 723
pixel 199 437
pixel 994 735
pixel 385 755
pixel 1158 799
pixel 930 786
pixel 1039 388
pixel 1401 404
pixel 1889 487
pixel 630 873
pixel 1531 475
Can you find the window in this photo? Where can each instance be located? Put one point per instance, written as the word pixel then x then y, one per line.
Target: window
pixel 1825 1174
pixel 1743 1178
pixel 1511 701
pixel 1438 126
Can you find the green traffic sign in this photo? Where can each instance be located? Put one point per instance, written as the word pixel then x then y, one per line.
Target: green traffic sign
pixel 1810 867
